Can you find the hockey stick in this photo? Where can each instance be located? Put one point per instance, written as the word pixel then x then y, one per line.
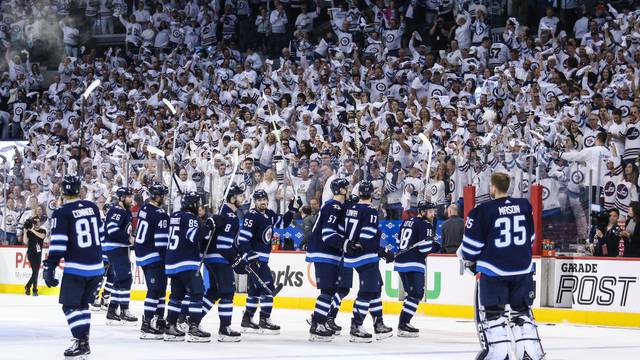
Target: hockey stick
pixel 404 251
pixel 384 179
pixel 264 285
pixel 276 132
pixel 155 151
pixel 171 108
pixel 226 192
pixel 426 141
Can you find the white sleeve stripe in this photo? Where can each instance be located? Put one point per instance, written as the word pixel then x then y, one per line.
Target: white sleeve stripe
pixel 468 240
pixel 59 237
pixel 469 251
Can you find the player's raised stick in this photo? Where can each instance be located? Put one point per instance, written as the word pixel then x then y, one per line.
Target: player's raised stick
pixel 276 132
pixel 87 92
pixel 226 192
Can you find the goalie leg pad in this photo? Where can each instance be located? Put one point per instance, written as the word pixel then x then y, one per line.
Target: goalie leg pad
pixel 525 334
pixel 497 343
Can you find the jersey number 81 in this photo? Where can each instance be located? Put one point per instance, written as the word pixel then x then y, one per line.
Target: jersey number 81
pixel 87 232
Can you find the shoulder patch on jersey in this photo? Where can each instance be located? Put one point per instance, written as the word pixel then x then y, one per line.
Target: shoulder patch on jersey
pixel 336 206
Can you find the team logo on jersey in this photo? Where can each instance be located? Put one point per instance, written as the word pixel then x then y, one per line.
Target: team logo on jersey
pixel 624 109
pixel 452 185
pixel 436 92
pixel 176 33
pixel 390 38
pixel 549 96
pixel 589 141
pixel 52 205
pixel 434 190
pixel 344 41
pixel 479 29
pixel 633 133
pixel 524 185
pixel 267 235
pixel 622 191
pixel 545 193
pixel 609 188
pixel 18 110
pixel 381 87
pixel 577 177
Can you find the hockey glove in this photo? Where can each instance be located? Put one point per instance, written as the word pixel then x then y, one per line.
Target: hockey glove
pixel 295 204
pixel 353 247
pixel 435 248
pixel 211 224
pixel 386 254
pixel 240 264
pixel 49 274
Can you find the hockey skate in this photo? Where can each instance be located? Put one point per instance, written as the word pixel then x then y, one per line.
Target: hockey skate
pixel 320 333
pixel 79 350
pixel 127 319
pixel 147 332
pixel 96 306
pixel 183 323
pixel 381 330
pixel 113 319
pixel 197 335
pixel 407 331
pixel 268 327
pixel 172 333
pixel 158 323
pixel 359 335
pixel 226 334
pixel 331 325
pixel 104 302
pixel 248 326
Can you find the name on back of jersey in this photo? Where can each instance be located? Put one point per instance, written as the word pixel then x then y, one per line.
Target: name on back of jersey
pixel 79 213
pixel 352 213
pixel 509 210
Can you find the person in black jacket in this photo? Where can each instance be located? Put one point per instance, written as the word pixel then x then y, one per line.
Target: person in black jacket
pixel 608 239
pixel 33 236
pixel 631 234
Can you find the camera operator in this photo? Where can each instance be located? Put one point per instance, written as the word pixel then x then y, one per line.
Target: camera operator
pixel 33 236
pixel 607 237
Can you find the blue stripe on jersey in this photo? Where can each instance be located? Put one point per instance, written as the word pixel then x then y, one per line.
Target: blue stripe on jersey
pixel 215 259
pixel 108 246
pixel 264 257
pixel 83 270
pixel 361 260
pixel 318 257
pixel 409 267
pixel 188 265
pixel 490 270
pixel 148 259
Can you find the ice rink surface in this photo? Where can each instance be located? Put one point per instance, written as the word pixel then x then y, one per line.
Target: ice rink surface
pixel 35 328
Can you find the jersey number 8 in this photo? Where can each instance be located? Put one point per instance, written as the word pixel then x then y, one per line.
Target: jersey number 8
pixel 518 231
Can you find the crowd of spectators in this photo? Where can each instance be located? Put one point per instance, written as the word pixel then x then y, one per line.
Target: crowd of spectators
pixel 310 91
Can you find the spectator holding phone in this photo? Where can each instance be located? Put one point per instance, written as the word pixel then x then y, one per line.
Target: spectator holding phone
pixel 33 236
